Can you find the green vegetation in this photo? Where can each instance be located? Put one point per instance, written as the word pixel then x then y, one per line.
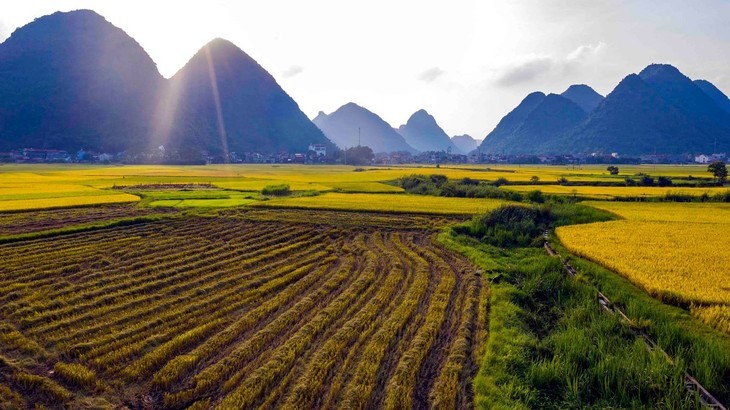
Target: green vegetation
pixel 551 346
pixel 276 190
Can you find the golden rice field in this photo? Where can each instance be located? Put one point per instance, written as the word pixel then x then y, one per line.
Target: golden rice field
pixel 234 311
pixel 76 185
pixel 611 192
pixel 66 201
pixel 675 251
pixel 387 203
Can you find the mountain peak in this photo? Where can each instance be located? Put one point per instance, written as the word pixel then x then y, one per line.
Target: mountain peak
pixel 583 95
pixel 664 71
pixel 465 143
pixel 423 133
pixel 352 124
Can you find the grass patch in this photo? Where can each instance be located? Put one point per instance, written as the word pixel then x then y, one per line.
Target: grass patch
pixel 551 346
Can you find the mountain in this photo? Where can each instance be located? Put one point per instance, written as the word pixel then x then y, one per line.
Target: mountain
pixel 465 143
pixel 73 80
pixel 227 102
pixel 678 90
pixel 636 119
pixel 583 95
pixel 658 110
pixel 499 137
pixel 423 133
pixel 342 126
pixel 714 93
pixel 552 116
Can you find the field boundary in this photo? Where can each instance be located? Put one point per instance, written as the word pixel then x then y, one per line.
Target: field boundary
pixel 693 385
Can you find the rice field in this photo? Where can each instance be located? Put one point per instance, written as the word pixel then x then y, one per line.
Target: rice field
pixel 611 192
pixel 674 251
pixel 387 203
pixel 234 311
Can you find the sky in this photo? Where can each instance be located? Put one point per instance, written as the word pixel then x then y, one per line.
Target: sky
pixel 467 62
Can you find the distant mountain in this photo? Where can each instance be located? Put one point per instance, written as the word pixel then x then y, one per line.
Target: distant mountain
pixel 583 95
pixel 423 133
pixel 465 143
pixel 227 101
pixel 634 119
pixel 341 127
pixel 678 90
pixel 552 116
pixel 499 138
pixel 714 93
pixel 73 80
pixel 659 110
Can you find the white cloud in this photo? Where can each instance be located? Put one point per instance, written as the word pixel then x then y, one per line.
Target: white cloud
pixel 586 51
pixel 292 71
pixel 431 74
pixel 525 71
pixel 535 66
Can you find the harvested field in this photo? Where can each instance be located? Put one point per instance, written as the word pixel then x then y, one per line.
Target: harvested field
pixel 33 221
pixel 233 312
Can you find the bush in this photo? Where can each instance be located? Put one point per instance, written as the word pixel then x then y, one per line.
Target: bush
pixel 664 181
pixel 501 181
pixel 508 226
pixel 536 197
pixel 646 180
pixel 276 190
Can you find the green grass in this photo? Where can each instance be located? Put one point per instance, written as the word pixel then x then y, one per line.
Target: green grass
pixel 550 345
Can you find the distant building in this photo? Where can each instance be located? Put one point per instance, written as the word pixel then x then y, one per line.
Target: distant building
pixel 318 149
pixel 45 155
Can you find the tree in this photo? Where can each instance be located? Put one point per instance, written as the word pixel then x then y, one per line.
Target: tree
pixel 360 155
pixel 646 180
pixel 664 181
pixel 719 171
pixel 534 179
pixel 612 169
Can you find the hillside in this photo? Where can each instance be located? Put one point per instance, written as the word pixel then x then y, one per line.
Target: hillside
pixel 227 101
pixel 714 93
pixel 73 80
pixel 423 133
pixel 535 133
pixel 352 124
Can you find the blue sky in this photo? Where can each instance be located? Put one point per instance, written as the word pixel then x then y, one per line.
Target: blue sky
pixel 467 62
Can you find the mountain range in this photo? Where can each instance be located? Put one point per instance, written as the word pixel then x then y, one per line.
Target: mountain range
pixel 352 125
pixel 658 110
pixel 73 80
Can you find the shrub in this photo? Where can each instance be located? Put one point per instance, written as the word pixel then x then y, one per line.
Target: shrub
pixel 276 190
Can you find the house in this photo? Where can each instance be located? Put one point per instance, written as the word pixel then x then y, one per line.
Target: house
pixel 318 149
pixel 702 159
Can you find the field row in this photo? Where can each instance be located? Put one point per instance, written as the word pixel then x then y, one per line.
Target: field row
pixel 33 221
pixel 233 313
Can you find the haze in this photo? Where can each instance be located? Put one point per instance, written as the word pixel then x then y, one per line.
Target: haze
pixel 466 62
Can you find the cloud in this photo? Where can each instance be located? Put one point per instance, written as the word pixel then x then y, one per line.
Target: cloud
pixel 525 71
pixel 292 71
pixel 586 51
pixel 535 66
pixel 431 74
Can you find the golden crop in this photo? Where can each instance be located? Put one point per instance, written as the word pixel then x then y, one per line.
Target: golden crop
pixel 675 251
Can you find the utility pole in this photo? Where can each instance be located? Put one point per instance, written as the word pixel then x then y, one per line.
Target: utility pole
pixel 358 136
